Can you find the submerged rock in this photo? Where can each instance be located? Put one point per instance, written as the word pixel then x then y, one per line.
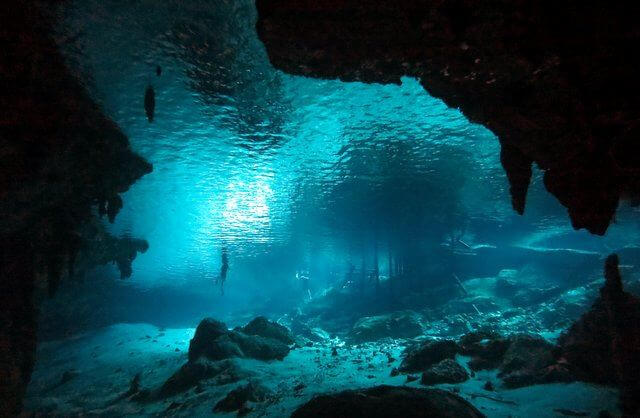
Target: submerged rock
pixel 237 399
pixel 263 327
pixel 447 371
pixel 486 349
pixel 522 359
pixel 527 354
pixel 388 402
pixel 214 341
pixel 208 330
pixel 403 324
pixel 604 345
pixel 257 347
pixel 422 356
pixel 193 372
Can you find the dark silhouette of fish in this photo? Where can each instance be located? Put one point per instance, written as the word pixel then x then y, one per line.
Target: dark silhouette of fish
pixel 150 103
pixel 158 70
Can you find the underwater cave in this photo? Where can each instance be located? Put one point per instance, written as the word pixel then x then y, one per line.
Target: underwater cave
pixel 319 208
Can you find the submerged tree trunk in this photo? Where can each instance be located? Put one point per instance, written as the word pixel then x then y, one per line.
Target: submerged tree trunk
pixel 376 271
pixel 363 274
pixel 391 278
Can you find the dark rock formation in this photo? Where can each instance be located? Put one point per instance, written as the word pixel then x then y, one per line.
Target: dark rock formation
pixel 528 361
pixel 100 248
pixel 604 345
pixel 424 355
pixel 263 327
pixel 388 402
pixel 485 348
pixel 193 372
pixel 59 158
pixel 554 81
pixel 208 330
pixel 521 359
pixel 238 398
pixel 447 371
pixel 403 324
pixel 214 341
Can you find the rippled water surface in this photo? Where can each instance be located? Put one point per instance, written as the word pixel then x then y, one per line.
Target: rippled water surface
pixel 259 162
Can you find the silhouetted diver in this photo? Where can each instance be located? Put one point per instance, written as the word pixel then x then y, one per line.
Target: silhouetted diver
pixel 158 70
pixel 223 270
pixel 150 102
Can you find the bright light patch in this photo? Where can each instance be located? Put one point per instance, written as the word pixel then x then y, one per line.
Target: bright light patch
pixel 246 209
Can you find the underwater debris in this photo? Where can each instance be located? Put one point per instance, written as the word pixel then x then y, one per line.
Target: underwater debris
pixel 446 371
pixel 388 402
pixel 150 102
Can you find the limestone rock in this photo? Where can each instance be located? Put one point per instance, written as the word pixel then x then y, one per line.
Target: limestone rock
pixel 447 371
pixel 424 355
pixel 388 402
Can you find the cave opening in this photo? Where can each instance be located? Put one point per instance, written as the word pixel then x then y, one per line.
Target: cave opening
pixel 269 208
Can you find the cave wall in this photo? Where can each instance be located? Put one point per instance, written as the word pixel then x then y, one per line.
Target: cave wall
pixel 556 82
pixel 62 163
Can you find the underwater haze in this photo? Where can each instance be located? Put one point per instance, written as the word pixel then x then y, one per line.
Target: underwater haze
pixel 359 219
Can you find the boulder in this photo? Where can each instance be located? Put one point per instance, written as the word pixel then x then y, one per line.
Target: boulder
pixel 208 330
pixel 447 371
pixel 422 356
pixel 264 328
pixel 486 349
pixel 214 341
pixel 257 347
pixel 388 402
pixel 403 324
pixel 527 353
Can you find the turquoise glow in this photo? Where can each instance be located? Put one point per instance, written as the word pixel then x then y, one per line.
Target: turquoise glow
pixel 253 161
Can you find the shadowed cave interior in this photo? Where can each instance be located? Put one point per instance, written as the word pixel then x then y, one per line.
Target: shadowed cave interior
pixel 319 208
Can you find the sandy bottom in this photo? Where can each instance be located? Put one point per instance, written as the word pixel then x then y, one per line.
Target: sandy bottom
pixel 99 367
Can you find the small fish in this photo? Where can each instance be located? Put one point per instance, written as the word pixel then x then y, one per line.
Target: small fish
pixel 150 103
pixel 158 70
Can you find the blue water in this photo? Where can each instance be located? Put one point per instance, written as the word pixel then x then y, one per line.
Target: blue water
pixel 295 176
